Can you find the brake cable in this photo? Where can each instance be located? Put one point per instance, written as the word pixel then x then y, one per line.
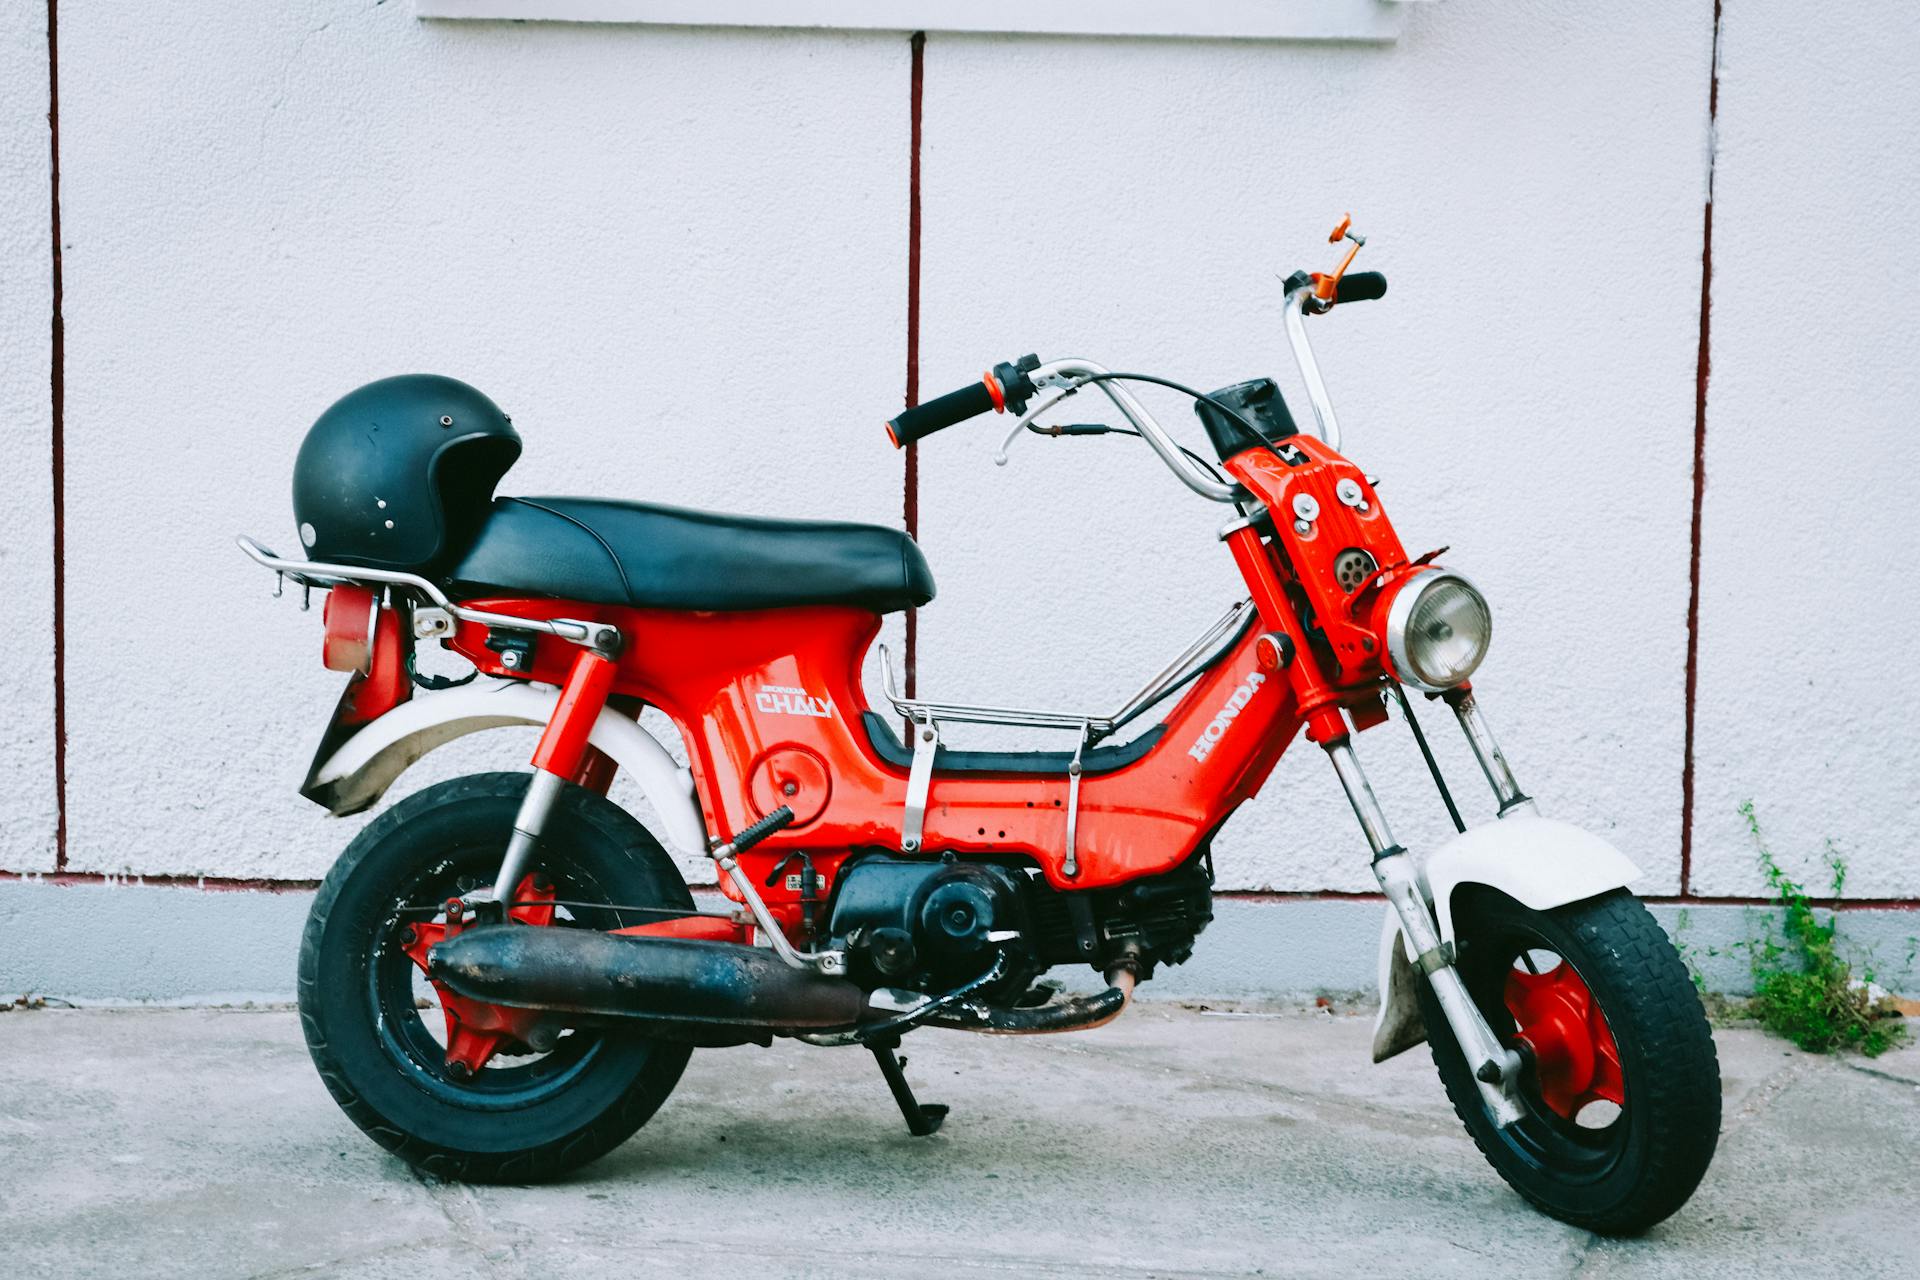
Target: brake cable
pixel 436 683
pixel 1058 429
pixel 1186 390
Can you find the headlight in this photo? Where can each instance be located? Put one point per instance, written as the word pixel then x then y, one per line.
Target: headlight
pixel 1438 630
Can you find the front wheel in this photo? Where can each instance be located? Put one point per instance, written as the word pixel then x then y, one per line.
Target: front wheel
pixel 1620 1088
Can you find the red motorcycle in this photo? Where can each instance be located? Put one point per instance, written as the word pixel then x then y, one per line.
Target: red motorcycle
pixel 504 975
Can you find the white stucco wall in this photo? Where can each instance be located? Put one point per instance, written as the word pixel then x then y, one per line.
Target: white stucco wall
pixel 677 257
pixel 1492 142
pixel 1812 510
pixel 28 805
pixel 641 243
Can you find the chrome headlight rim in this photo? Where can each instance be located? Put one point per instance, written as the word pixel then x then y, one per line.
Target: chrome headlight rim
pixel 1400 613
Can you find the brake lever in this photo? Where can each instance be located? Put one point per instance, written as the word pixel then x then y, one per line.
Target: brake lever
pixel 1050 395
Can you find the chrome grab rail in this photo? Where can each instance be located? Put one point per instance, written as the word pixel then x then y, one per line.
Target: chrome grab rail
pixel 315 573
pixel 1205 650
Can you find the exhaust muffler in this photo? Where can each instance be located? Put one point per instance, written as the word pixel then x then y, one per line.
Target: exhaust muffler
pixel 670 980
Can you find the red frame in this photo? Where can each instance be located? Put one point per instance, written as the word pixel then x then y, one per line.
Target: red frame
pixel 771 700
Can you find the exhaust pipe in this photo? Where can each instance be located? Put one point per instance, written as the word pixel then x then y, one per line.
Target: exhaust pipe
pixel 678 980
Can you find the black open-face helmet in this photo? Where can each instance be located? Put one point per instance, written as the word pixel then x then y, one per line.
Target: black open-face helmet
pixel 399 474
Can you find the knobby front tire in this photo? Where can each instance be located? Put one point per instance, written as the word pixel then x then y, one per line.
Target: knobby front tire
pixel 526 1116
pixel 1621 1086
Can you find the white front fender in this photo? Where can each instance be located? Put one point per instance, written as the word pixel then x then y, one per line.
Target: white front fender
pixel 1538 862
pixel 358 771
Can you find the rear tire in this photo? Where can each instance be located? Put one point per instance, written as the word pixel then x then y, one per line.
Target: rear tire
pixel 1612 1167
pixel 526 1116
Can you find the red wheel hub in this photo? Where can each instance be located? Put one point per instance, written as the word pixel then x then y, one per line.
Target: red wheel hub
pixel 475 1031
pixel 1575 1058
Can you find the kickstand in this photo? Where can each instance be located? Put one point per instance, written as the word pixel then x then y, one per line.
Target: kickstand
pixel 922 1119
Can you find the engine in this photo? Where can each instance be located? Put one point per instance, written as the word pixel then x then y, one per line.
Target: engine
pixel 924 925
pixel 931 926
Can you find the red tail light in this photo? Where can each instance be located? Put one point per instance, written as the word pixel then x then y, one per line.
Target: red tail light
pixel 349 616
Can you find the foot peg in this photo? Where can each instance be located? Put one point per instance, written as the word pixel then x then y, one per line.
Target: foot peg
pixel 923 1119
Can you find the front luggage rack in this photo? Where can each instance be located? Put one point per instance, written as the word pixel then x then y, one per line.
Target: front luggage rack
pixel 1207 649
pixel 1211 645
pixel 316 573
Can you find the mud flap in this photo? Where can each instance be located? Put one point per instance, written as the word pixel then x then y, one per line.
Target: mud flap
pixel 1398 1026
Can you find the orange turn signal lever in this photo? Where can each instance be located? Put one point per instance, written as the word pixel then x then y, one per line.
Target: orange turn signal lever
pixel 1327 287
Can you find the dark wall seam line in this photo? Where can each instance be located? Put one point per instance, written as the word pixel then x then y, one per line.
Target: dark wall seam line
pixel 57 447
pixel 910 478
pixel 1702 368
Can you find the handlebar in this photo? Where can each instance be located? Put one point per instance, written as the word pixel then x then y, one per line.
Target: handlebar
pixel 1058 379
pixel 1005 386
pixel 1012 385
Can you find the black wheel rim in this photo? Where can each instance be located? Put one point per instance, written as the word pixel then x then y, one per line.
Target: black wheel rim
pixel 1582 1148
pixel 414 1037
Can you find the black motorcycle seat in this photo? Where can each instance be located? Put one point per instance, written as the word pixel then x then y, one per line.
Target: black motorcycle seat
pixel 642 554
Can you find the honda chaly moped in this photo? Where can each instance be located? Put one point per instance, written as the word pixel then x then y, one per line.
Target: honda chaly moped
pixel 504 975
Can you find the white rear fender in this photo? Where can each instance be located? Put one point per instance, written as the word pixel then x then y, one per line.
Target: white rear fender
pixel 352 774
pixel 1536 861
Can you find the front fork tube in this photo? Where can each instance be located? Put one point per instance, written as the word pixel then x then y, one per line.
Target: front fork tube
pixel 1493 762
pixel 1495 1067
pixel 559 758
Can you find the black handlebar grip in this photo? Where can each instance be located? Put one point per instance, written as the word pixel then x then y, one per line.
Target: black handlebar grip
pixel 955 406
pixel 1361 286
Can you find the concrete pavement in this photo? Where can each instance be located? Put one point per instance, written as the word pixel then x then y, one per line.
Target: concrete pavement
pixel 1175 1142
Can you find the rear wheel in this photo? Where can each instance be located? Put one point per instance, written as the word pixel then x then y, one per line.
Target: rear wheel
pixel 453 1087
pixel 1620 1088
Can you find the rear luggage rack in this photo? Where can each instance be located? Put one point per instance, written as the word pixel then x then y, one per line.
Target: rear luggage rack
pixel 314 573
